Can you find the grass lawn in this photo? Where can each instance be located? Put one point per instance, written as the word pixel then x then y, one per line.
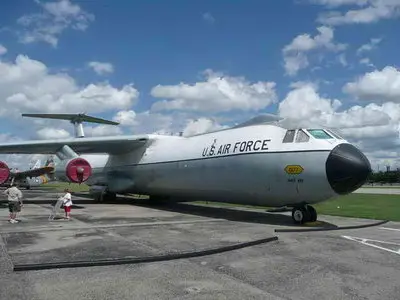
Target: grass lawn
pixel 369 206
pixel 60 186
pixel 382 187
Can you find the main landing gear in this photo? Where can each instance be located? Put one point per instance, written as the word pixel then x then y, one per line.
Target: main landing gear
pixel 106 196
pixel 303 214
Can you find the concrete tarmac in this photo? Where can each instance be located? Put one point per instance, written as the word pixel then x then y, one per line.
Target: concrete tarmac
pixel 379 190
pixel 345 264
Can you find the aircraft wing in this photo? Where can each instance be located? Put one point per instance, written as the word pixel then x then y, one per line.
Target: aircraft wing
pixel 32 173
pixel 109 145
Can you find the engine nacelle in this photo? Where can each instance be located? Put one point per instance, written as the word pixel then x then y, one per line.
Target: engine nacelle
pixel 4 172
pixel 75 170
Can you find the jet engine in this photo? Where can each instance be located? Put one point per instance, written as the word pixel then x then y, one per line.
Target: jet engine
pixel 4 172
pixel 75 170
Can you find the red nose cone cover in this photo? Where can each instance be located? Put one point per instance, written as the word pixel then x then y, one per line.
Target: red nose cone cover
pixel 4 172
pixel 78 170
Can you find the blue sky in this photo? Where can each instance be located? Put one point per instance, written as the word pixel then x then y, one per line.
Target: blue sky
pixel 153 43
pixel 163 42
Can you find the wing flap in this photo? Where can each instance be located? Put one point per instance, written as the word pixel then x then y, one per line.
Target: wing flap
pixel 109 145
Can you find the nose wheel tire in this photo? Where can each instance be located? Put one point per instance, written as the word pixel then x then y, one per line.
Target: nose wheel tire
pixel 300 215
pixel 303 214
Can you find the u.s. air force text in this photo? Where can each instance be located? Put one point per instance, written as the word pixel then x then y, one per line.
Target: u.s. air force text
pixel 238 147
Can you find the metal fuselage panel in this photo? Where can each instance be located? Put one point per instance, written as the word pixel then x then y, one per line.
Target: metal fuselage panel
pixel 243 165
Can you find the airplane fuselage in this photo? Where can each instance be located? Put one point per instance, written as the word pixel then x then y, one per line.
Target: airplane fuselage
pixel 249 165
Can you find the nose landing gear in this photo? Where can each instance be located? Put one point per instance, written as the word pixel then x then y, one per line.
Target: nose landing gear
pixel 303 214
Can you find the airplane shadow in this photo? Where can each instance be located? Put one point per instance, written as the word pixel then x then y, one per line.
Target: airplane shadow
pixel 273 217
pixel 229 214
pixel 269 217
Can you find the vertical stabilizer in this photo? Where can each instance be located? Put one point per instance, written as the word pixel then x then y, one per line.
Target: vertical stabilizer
pixel 36 165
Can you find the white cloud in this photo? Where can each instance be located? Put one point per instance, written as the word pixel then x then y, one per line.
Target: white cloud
pixel 295 54
pixel 56 17
pixel 52 133
pixel 14 160
pixel 219 93
pixel 366 61
pixel 201 125
pixel 101 68
pixel 126 118
pixel 27 86
pixel 3 50
pixel 305 104
pixel 342 59
pixel 378 85
pixel 369 46
pixel 167 124
pixel 373 127
pixel 370 11
pixel 336 3
pixel 208 18
pixel 102 130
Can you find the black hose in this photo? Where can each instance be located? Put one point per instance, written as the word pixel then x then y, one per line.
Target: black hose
pixel 137 260
pixel 334 228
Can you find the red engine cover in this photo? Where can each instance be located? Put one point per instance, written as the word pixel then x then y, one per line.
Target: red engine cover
pixel 4 172
pixel 78 170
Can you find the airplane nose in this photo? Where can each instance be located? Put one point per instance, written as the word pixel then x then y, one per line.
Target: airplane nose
pixel 347 169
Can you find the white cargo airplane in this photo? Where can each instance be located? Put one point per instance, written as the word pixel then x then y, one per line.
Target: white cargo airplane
pixel 260 162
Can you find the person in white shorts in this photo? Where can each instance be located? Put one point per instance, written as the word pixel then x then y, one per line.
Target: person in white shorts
pixel 67 203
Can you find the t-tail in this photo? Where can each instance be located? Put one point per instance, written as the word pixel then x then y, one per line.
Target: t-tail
pixel 76 119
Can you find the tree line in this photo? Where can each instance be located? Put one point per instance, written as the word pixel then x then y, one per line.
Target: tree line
pixel 384 177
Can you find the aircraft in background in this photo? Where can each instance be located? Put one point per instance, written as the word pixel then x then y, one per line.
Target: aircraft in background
pixel 35 176
pixel 264 161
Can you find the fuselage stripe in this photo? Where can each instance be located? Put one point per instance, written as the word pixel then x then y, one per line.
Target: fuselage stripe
pixel 205 158
pixel 228 155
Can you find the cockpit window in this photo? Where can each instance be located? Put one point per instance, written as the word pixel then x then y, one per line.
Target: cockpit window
pixel 289 136
pixel 301 136
pixel 335 134
pixel 319 134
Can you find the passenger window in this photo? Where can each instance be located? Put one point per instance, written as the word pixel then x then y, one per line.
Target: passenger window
pixel 289 136
pixel 319 134
pixel 302 137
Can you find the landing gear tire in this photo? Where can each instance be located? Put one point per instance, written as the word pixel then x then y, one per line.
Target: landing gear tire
pixel 313 213
pixel 109 197
pixel 300 215
pixel 158 200
pixel 106 197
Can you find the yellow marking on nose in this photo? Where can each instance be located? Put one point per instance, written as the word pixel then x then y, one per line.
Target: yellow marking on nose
pixel 294 169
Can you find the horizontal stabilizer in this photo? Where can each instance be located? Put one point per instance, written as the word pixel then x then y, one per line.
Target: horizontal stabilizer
pixel 73 118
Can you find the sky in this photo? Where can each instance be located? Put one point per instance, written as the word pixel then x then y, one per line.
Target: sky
pixel 194 66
